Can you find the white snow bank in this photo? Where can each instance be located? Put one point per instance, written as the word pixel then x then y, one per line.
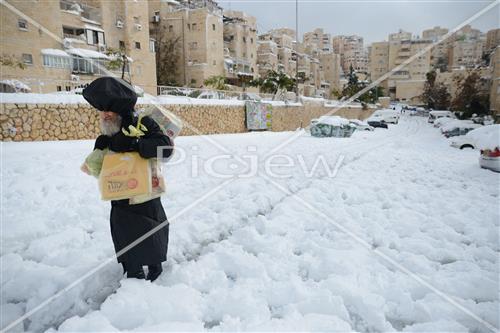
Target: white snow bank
pixel 451 125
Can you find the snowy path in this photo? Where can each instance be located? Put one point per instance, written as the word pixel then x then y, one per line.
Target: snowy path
pixel 251 256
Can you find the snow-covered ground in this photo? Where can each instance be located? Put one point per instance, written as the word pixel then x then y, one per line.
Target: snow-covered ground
pixel 263 253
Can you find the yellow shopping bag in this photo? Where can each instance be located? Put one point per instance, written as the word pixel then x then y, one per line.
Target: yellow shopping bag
pixel 124 175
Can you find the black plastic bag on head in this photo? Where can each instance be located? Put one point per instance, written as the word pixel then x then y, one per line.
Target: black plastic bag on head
pixel 111 94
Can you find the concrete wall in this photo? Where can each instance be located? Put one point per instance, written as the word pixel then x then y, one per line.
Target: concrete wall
pixel 40 122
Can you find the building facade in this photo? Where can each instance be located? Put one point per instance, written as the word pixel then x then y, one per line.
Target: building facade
pixel 64 45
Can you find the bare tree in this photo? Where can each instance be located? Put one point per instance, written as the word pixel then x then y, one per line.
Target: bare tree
pixel 167 55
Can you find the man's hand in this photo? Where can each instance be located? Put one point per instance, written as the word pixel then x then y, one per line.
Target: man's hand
pixel 122 143
pixel 102 142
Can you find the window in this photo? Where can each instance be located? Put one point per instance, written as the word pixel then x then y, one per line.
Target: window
pixel 194 26
pixel 214 62
pixel 121 45
pixel 59 88
pixel 56 61
pixel 27 59
pixel 157 13
pixel 244 39
pixel 152 43
pixel 138 45
pixel 213 27
pixel 189 26
pixel 170 28
pixel 22 24
pixel 251 40
pixel 251 55
pixel 68 88
pixel 193 81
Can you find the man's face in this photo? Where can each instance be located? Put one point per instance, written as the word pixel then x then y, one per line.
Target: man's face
pixel 110 122
pixel 108 115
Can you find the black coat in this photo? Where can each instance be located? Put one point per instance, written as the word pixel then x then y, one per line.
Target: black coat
pixel 129 222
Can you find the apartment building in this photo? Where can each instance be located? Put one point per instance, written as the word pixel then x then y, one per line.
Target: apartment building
pixel 64 44
pixel 267 55
pixel 492 40
pixel 198 27
pixel 352 53
pixel 379 60
pixel 330 68
pixel 466 49
pixel 439 51
pixel 240 46
pixel 320 39
pixel 495 84
pixel 405 83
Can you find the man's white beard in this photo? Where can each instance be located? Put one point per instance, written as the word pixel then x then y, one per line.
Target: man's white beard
pixel 111 127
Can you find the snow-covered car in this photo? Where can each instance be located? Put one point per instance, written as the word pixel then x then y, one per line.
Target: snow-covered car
pixel 361 125
pixel 489 144
pixel 436 114
pixel 388 115
pixel 377 120
pixel 442 121
pixel 331 126
pixel 470 139
pixel 458 127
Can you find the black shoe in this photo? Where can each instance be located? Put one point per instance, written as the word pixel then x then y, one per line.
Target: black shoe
pixel 154 271
pixel 134 272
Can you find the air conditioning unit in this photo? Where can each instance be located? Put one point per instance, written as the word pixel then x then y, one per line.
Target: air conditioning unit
pixel 75 78
pixel 101 48
pixel 138 27
pixel 67 44
pixel 156 18
pixel 119 24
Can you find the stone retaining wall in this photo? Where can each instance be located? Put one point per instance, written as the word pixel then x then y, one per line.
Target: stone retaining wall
pixel 40 122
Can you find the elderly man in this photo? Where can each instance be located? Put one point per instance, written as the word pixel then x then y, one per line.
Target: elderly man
pixel 116 99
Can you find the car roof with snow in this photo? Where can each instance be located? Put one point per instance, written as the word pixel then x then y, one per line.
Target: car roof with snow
pixel 440 112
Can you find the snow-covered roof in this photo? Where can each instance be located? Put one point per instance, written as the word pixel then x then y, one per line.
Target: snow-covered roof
pixel 55 52
pixel 84 53
pixel 173 2
pixel 16 84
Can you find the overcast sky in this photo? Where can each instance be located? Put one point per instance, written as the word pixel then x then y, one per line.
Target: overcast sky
pixel 373 20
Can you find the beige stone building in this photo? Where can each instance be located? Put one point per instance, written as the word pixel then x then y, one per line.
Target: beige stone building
pixel 267 55
pixel 352 53
pixel 198 27
pixel 495 84
pixel 320 39
pixel 379 60
pixel 240 46
pixel 330 67
pixel 492 40
pixel 466 49
pixel 65 44
pixel 439 51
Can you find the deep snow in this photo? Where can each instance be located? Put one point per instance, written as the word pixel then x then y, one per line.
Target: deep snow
pixel 253 257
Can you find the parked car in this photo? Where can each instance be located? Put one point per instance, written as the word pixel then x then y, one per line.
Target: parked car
pixel 489 144
pixel 361 125
pixel 458 127
pixel 436 114
pixel 331 126
pixel 388 115
pixel 442 121
pixel 470 140
pixel 377 123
